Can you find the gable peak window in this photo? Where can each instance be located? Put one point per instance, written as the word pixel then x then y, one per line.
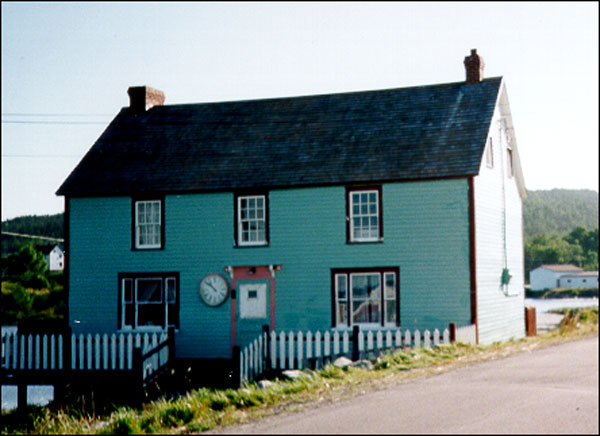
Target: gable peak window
pixel 252 225
pixel 509 161
pixel 364 216
pixel 148 224
pixel 489 154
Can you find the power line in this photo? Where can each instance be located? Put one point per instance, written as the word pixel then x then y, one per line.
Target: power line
pixel 22 235
pixel 15 114
pixel 50 122
pixel 43 156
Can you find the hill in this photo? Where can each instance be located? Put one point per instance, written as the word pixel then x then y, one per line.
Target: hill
pixel 38 225
pixel 559 211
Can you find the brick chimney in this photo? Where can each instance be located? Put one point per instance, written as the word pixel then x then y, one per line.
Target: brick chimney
pixel 474 68
pixel 142 98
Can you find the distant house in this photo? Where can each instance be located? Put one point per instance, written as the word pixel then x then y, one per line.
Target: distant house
pixel 585 279
pixel 548 276
pixel 385 209
pixel 55 259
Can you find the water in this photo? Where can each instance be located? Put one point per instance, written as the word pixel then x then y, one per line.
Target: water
pixel 558 303
pixel 37 395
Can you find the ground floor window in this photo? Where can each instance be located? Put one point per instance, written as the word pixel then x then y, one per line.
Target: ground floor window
pixel 366 296
pixel 148 301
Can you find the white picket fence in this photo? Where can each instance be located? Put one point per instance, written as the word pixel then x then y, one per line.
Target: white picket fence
pixel 298 350
pixel 46 352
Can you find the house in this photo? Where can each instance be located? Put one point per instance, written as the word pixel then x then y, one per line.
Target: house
pixel 548 276
pixel 55 258
pixel 584 279
pixel 380 209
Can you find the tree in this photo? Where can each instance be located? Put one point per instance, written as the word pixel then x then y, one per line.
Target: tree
pixel 27 267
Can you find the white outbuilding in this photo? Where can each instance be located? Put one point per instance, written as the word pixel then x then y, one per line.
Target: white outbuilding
pixel 548 276
pixel 584 279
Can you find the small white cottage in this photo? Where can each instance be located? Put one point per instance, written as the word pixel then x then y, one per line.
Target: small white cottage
pixel 548 276
pixel 55 259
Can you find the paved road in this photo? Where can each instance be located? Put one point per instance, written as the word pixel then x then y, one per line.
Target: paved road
pixel 551 390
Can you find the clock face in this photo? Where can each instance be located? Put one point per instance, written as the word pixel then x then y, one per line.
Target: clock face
pixel 213 289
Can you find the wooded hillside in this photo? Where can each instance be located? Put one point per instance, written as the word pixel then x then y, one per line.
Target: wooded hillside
pixel 559 211
pixel 37 225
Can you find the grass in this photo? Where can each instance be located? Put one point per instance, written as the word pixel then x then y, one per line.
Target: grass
pixel 204 409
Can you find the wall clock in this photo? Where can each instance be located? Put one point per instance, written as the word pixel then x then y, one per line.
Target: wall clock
pixel 214 289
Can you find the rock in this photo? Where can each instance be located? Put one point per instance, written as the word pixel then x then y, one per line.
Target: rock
pixel 292 374
pixel 265 384
pixel 342 362
pixel 366 364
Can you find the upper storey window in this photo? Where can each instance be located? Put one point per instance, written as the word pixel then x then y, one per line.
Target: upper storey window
pixel 364 215
pixel 252 220
pixel 148 224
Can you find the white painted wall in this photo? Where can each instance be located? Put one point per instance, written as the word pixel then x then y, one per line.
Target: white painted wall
pixel 498 219
pixel 56 259
pixel 542 278
pixel 569 281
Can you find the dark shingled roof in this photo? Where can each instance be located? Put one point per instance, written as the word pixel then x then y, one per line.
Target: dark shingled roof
pixel 423 132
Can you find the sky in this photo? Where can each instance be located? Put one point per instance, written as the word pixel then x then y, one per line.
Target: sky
pixel 66 68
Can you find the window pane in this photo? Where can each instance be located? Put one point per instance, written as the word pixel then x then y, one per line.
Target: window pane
pixel 151 315
pixel 259 202
pixel 363 197
pixel 372 197
pixel 390 285
pixel 342 313
pixel 141 212
pixel 390 311
pixel 149 290
pixel 366 311
pixel 173 315
pixel 127 294
pixel 342 287
pixel 129 310
pixel 360 287
pixel 171 291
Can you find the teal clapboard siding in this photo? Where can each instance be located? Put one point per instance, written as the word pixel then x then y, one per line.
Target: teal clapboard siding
pixel 426 235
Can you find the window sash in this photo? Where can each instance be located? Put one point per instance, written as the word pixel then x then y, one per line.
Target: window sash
pixel 364 215
pixel 148 224
pixel 252 220
pixel 144 308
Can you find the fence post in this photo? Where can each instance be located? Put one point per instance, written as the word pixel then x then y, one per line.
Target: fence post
pixel 452 329
pixel 171 340
pixel 355 351
pixel 236 356
pixel 267 358
pixel 137 367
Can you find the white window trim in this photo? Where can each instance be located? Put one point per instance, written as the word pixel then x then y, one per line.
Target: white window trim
pixel 240 240
pixel 352 216
pixel 138 226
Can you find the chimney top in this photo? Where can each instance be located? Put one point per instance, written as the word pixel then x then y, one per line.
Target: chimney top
pixel 474 68
pixel 142 98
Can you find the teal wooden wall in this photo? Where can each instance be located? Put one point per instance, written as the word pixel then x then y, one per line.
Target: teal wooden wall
pixel 426 234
